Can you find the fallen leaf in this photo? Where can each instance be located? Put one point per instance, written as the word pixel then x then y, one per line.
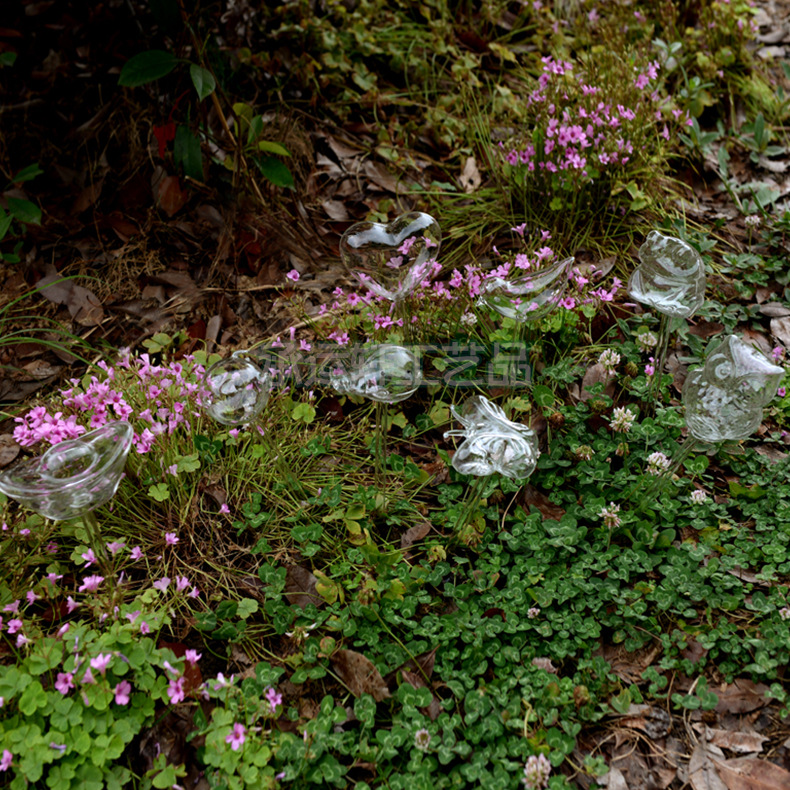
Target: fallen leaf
pixel 741 742
pixel 775 310
pixel 702 772
pixel 359 674
pixel 596 374
pixel 615 780
pixel 300 587
pixel 741 696
pixel 9 449
pixel 749 773
pixel 83 305
pixel 169 195
pixel 780 328
pixel 470 178
pixel 415 533
pixel 530 496
pixel 336 210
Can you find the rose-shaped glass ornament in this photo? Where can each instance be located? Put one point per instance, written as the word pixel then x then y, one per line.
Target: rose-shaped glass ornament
pixel 386 374
pixel 392 260
pixel 724 400
pixel 492 443
pixel 531 297
pixel 72 477
pixel 237 389
pixel 670 278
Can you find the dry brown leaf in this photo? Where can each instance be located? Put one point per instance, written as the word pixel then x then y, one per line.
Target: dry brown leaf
pixel 741 742
pixel 415 533
pixel 9 449
pixel 749 773
pixel 702 772
pixel 169 195
pixel 741 696
pixel 532 497
pixel 470 178
pixel 615 780
pixel 780 328
pixel 336 210
pixel 83 305
pixel 359 674
pixel 594 375
pixel 775 310
pixel 300 587
pixel 382 178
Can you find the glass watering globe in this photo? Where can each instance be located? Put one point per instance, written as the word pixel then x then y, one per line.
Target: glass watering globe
pixel 528 298
pixel 392 260
pixel 492 444
pixel 724 400
pixel 73 477
pixel 386 374
pixel 238 389
pixel 671 280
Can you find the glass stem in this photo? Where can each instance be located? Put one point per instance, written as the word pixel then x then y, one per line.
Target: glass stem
pixel 97 544
pixel 380 443
pixel 660 359
pixel 473 496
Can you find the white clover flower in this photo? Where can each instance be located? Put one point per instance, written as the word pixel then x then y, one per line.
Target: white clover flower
pixel 610 359
pixel 646 341
pixel 622 419
pixel 657 463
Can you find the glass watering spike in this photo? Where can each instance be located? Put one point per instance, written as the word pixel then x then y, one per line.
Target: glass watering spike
pixel 670 278
pixel 72 477
pixel 528 298
pixel 492 443
pixel 724 400
pixel 392 260
pixel 237 389
pixel 386 373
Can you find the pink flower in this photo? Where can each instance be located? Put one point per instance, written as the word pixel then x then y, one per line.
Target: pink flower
pixel 5 762
pixel 293 275
pixel 144 629
pixel 192 656
pixel 781 392
pixel 171 538
pixel 71 605
pixel 90 584
pixel 64 682
pixel 136 553
pixel 274 699
pixel 236 737
pixel 101 662
pixel 89 557
pixel 175 691
pixel 162 584
pixel 224 509
pixel 122 691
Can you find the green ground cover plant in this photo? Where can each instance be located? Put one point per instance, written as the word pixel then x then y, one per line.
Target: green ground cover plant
pixel 271 615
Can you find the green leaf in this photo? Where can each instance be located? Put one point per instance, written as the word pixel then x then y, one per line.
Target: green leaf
pixel 275 171
pixel 8 58
pixel 542 395
pixel 247 606
pixel 304 412
pixel 188 463
pixel 160 492
pixel 147 67
pixel 187 153
pixel 27 174
pixel 273 148
pixel 25 211
pixel 5 223
pixel 203 80
pixel 34 697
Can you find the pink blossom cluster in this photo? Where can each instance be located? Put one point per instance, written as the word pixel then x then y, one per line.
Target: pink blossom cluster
pixel 159 400
pixel 580 133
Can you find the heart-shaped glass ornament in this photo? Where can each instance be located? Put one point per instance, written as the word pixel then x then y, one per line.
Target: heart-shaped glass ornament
pixel 531 297
pixel 237 389
pixel 492 443
pixel 392 260
pixel 670 278
pixel 385 373
pixel 724 400
pixel 72 477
